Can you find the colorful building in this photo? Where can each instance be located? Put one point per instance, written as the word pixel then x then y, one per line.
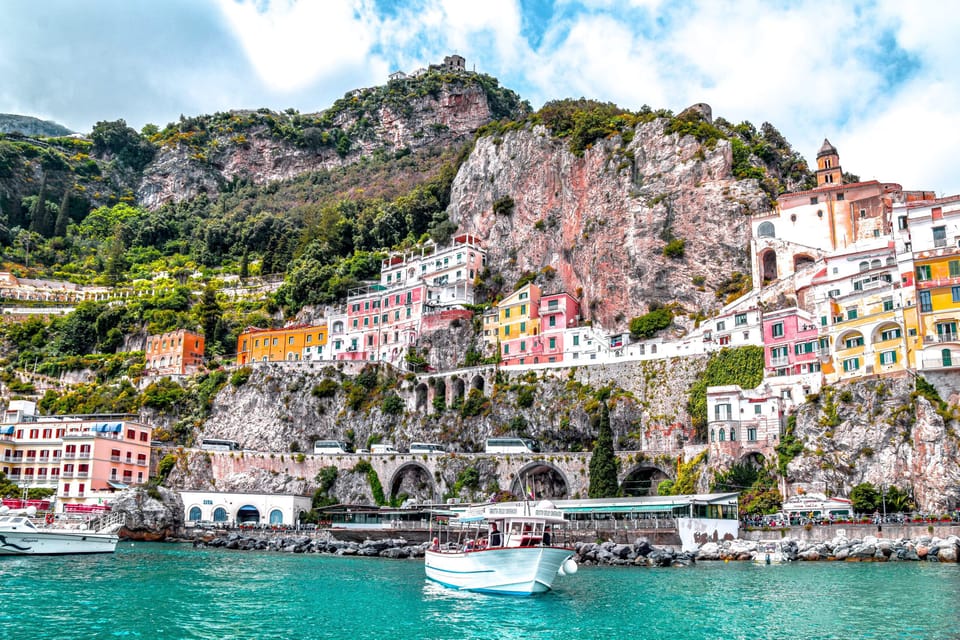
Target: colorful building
pixel 741 421
pixel 84 458
pixel 928 246
pixel 174 353
pixel 277 345
pixel 791 344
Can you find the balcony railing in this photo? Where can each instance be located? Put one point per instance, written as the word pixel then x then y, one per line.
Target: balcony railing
pixel 944 337
pixel 66 474
pixel 939 363
pixel 114 458
pixel 779 362
pixel 934 283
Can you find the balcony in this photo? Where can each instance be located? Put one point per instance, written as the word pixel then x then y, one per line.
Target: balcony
pixel 66 474
pixel 943 337
pixel 935 283
pixel 780 361
pixel 114 458
pixel 69 455
pixel 141 463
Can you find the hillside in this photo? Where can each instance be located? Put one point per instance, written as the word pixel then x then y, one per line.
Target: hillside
pixel 30 126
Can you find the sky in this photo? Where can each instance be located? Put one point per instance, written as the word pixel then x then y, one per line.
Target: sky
pixel 878 77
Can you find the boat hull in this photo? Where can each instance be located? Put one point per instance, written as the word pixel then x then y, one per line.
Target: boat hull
pixel 514 571
pixel 23 543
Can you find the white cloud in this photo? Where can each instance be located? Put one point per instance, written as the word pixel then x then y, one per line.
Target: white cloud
pixel 292 45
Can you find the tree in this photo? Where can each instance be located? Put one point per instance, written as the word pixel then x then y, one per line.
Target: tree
pixel 646 326
pixel 603 462
pixel 210 315
pixel 865 498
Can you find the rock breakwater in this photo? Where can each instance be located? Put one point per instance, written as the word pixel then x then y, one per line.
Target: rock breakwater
pixel 840 548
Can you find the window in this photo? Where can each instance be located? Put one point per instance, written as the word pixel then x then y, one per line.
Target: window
pixel 274 342
pixel 946 357
pixel 740 319
pixel 523 309
pixel 853 341
pixel 777 329
pixel 722 412
pixel 939 236
pixel 506 312
pixel 552 322
pixel 813 200
pixel 926 304
pixel 523 345
pixel 523 296
pixel 219 514
pixel 954 266
pixel 576 340
pixel 851 364
pixel 823 321
pixel 888 357
pixel 733 434
pixel 722 435
pixel 721 325
pixel 523 327
pixel 506 349
pixel 890 334
pixel 766 230
pixel 863 213
pixel 955 292
pixel 757 409
pixel 923 272
pixel 888 304
pixel 864 266
pixel 852 314
pixel 506 330
pixel 840 197
pixel 804 347
pixel 553 343
pixel 752 434
pixel 778 353
pixel 194 513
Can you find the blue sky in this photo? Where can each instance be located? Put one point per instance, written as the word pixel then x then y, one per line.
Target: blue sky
pixel 877 77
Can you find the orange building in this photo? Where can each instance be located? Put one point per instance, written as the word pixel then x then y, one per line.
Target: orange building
pixel 174 353
pixel 291 343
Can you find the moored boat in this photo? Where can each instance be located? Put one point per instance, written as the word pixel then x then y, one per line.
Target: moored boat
pixel 20 536
pixel 516 548
pixel 770 553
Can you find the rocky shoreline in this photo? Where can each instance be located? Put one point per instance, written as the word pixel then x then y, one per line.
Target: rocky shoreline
pixel 640 553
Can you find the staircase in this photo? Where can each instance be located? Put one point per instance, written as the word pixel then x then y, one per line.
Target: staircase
pixel 108 523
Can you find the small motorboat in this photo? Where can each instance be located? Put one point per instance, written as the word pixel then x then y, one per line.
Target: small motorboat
pixel 516 548
pixel 769 553
pixel 19 536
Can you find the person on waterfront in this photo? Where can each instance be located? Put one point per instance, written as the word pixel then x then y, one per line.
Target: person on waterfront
pixel 546 536
pixel 494 535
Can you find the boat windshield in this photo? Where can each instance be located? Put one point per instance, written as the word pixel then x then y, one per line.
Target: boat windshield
pixel 16 521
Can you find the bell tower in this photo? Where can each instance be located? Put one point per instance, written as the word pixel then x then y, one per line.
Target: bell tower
pixel 828 166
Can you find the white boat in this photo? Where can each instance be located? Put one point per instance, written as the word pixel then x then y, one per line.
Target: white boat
pixel 516 548
pixel 20 537
pixel 770 553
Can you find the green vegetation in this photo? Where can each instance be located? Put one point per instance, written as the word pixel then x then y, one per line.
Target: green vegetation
pixel 675 248
pixel 373 479
pixel 688 475
pixel 647 325
pixel 603 462
pixel 789 447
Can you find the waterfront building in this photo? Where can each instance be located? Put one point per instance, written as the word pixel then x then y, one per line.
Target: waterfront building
pixel 174 353
pixel 236 508
pixel 84 458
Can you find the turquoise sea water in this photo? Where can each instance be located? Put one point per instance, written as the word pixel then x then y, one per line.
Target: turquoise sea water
pixel 174 591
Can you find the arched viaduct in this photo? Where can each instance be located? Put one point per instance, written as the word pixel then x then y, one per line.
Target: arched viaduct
pixel 428 478
pixel 434 392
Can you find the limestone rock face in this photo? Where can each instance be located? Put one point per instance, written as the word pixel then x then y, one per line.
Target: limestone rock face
pixel 444 118
pixel 149 518
pixel 601 221
pixel 883 436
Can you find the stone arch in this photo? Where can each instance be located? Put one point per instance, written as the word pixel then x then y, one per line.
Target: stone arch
pixel 276 516
pixel 643 480
pixel 414 480
pixel 420 397
pixel 457 391
pixel 248 513
pixel 768 266
pixel 439 393
pixel 802 260
pixel 543 478
pixel 882 328
pixel 477 382
pixel 848 335
pixel 219 514
pixel 766 230
pixel 753 459
pixel 194 514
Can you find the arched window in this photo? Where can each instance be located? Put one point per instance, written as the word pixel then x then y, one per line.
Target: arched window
pixel 276 516
pixel 733 434
pixel 864 266
pixel 723 435
pixel 766 230
pixel 875 263
pixel 713 435
pixel 194 513
pixel 219 514
pixel 890 261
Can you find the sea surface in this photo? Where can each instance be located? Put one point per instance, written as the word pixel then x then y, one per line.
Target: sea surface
pixel 153 590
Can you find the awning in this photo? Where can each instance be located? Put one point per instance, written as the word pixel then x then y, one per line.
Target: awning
pixel 115 428
pixel 664 508
pixel 7 430
pixel 116 485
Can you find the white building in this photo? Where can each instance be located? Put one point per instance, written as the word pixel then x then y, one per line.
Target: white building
pixel 239 508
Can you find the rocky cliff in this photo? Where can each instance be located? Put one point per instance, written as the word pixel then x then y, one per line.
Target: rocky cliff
pixel 598 224
pixel 262 147
pixel 877 431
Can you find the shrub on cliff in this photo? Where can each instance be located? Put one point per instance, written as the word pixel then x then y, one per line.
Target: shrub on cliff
pixel 646 326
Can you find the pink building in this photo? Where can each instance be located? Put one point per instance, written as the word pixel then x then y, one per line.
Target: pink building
pixel 558 312
pixel 85 458
pixel 790 343
pixel 382 323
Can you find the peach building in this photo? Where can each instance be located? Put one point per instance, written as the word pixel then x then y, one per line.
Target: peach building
pixel 291 343
pixel 174 353
pixel 84 458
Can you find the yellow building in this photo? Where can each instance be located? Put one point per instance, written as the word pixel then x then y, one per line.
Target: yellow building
pixel 291 343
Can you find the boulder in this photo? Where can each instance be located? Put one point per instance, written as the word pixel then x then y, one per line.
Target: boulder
pixel 149 513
